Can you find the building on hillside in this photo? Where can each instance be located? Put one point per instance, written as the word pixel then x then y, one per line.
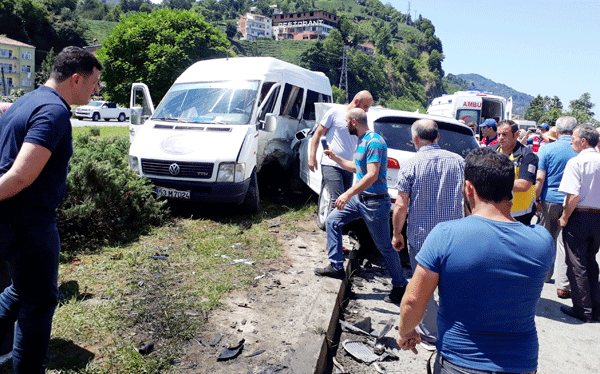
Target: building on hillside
pixel 17 66
pixel 304 25
pixel 275 9
pixel 367 48
pixel 254 26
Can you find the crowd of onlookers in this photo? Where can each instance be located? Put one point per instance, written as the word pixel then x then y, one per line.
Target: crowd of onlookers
pixel 469 231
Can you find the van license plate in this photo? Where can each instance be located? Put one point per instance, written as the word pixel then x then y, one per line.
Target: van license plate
pixel 173 194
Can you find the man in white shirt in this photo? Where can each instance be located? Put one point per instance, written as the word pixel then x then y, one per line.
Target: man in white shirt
pixel 334 127
pixel 580 221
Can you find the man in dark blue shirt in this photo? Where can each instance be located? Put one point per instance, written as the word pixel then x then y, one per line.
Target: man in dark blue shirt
pixel 35 148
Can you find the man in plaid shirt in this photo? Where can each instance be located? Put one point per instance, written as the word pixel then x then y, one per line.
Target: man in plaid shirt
pixel 429 192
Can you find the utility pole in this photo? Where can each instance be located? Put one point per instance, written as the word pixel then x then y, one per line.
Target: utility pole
pixel 3 81
pixel 344 72
pixel 408 13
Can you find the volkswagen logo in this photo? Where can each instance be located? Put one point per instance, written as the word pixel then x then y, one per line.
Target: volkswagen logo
pixel 174 169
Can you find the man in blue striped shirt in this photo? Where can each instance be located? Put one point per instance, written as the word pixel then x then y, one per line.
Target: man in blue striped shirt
pixel 367 199
pixel 429 192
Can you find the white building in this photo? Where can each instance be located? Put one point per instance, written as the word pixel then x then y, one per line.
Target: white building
pixel 255 26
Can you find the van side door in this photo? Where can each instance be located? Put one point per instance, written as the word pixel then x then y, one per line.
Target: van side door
pixel 141 106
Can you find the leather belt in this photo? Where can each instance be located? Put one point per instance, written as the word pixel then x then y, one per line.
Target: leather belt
pixel 589 210
pixel 365 197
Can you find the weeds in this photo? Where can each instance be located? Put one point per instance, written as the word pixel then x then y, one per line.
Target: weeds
pixel 116 300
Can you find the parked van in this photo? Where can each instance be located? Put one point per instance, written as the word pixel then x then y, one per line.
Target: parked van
pixel 473 107
pixel 221 122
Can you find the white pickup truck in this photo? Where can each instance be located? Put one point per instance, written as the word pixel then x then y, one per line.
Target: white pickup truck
pixel 102 110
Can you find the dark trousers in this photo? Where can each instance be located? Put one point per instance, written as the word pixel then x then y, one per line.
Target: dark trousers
pixel 443 366
pixel 29 242
pixel 338 181
pixel 581 236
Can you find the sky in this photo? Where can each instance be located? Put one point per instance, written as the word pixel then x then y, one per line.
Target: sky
pixel 550 47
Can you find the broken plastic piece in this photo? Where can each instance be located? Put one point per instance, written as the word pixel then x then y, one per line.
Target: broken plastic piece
pixel 146 349
pixel 256 353
pixel 360 351
pixel 231 352
pixel 351 327
pixel 158 257
pixel 215 340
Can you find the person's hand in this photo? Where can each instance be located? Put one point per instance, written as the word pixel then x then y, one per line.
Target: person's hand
pixel 329 152
pixel 312 164
pixel 538 206
pixel 409 341
pixel 562 221
pixel 342 200
pixel 398 243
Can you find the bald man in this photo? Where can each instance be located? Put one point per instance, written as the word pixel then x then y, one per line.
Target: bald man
pixel 367 199
pixel 341 142
pixel 429 192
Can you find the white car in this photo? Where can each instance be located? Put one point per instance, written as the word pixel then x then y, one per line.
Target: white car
pixel 97 110
pixel 394 126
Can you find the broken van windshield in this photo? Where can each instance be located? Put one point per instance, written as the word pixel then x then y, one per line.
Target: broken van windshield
pixel 225 102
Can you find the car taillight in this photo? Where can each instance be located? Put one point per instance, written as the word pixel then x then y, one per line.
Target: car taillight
pixel 393 164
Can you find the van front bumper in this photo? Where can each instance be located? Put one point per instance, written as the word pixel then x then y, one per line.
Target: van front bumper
pixel 224 193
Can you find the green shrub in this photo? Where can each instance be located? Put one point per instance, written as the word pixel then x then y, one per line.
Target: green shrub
pixel 106 202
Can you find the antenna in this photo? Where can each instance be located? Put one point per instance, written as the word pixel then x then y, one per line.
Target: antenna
pixel 344 73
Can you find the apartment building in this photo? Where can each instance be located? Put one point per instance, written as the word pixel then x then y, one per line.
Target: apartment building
pixel 304 25
pixel 255 26
pixel 17 64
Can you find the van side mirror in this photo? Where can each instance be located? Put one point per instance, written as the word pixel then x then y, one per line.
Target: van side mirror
pixel 136 115
pixel 270 122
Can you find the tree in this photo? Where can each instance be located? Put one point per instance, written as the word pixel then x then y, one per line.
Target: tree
pixel 582 108
pixel 231 29
pixel 536 109
pixel 42 75
pixel 156 48
pixel 551 116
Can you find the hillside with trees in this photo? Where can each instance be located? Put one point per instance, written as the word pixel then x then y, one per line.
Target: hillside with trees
pixel 404 72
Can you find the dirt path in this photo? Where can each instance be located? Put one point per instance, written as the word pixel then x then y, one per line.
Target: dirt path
pixel 286 313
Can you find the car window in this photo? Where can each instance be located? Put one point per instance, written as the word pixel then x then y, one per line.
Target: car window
pixel 397 135
pixel 313 97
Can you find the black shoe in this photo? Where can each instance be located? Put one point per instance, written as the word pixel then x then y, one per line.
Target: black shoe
pixel 395 296
pixel 572 313
pixel 329 271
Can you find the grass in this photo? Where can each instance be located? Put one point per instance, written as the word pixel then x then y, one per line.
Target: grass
pixel 286 50
pixel 98 30
pixel 104 131
pixel 116 300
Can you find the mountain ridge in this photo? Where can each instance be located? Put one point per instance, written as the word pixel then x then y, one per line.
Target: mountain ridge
pixel 472 81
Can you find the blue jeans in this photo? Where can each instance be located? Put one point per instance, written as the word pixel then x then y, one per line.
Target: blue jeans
pixel 29 242
pixel 428 325
pixel 376 214
pixel 338 181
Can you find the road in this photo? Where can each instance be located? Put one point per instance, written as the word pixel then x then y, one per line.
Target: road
pixel 102 123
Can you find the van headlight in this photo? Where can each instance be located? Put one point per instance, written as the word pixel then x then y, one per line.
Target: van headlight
pixel 231 172
pixel 134 164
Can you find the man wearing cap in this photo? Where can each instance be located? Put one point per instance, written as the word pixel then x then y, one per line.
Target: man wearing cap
pixel 536 140
pixel 553 158
pixel 488 130
pixel 580 221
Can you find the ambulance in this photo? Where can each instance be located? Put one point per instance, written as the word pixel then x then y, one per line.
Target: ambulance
pixel 472 107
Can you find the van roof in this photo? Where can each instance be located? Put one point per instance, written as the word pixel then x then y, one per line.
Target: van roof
pixel 252 68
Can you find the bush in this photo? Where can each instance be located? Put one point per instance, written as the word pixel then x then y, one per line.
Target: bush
pixel 106 202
